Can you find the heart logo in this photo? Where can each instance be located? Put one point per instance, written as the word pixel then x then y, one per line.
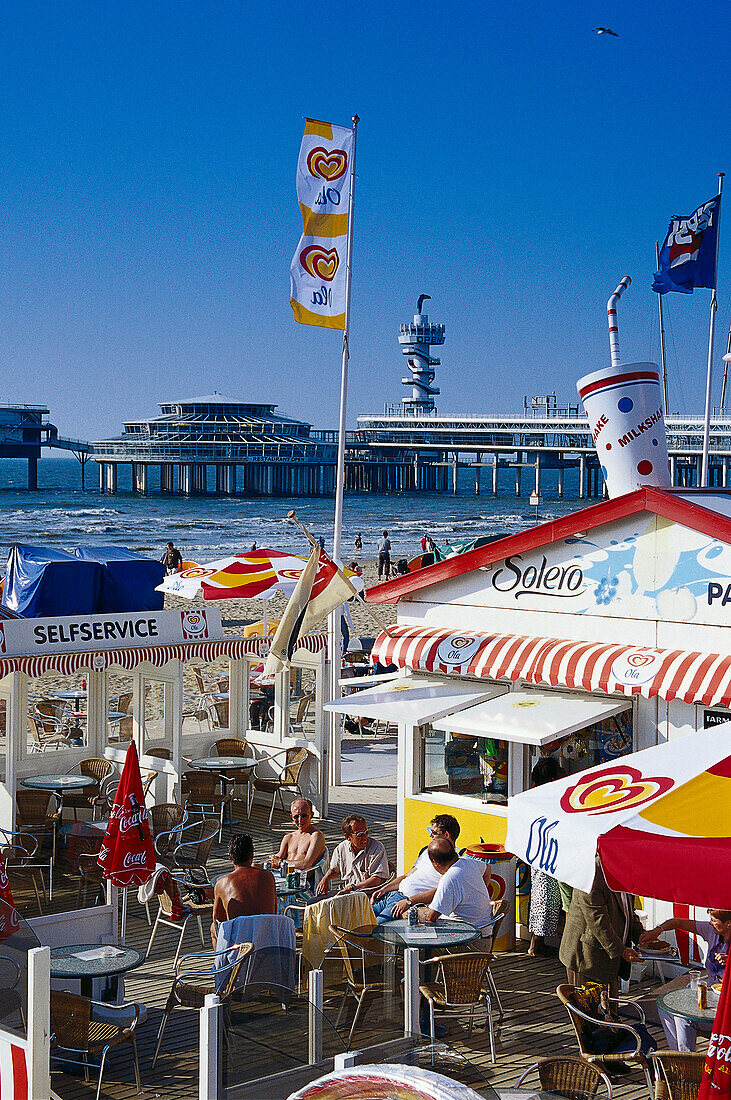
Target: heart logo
pixel 319 262
pixel 327 164
pixel 615 788
pixel 637 660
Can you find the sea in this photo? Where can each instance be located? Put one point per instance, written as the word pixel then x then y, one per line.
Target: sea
pixel 60 514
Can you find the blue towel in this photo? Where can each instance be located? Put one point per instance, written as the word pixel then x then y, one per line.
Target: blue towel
pixel 273 960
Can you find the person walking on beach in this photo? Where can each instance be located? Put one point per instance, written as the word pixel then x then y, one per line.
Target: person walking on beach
pixel 384 557
pixel 172 559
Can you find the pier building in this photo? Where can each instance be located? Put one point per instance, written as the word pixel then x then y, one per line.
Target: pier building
pixel 24 430
pixel 251 448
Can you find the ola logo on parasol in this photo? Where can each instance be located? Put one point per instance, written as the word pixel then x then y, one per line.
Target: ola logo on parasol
pixel 328 164
pixel 319 262
pixel 196 571
pixel 615 788
pixel 291 574
pixel 497 888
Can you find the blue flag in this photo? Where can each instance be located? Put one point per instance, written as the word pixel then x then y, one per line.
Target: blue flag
pixel 688 256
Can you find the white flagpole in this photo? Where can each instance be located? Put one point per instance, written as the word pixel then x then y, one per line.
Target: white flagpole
pixel 711 334
pixel 334 621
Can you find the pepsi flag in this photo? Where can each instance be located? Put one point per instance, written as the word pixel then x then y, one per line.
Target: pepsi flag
pixel 688 256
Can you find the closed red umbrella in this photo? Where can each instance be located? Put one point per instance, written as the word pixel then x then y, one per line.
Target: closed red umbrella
pixel 9 920
pixel 127 855
pixel 716 1081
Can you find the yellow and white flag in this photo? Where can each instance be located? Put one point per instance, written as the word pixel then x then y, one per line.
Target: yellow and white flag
pixel 323 190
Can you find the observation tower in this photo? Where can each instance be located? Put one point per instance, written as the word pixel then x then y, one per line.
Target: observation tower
pixel 416 340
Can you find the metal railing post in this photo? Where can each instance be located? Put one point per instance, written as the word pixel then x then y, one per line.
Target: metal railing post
pixel 411 991
pixel 39 1021
pixel 209 1064
pixel 315 996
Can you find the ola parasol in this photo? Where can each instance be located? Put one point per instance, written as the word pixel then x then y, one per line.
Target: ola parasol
pixel 9 920
pixel 716 1080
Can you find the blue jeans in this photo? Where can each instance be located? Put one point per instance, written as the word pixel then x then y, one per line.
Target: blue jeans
pixel 383 908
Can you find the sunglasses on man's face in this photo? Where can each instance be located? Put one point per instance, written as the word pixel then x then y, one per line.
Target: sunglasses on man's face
pixel 359 836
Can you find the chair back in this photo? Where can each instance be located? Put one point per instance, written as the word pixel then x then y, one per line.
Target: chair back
pixel 570 996
pixel 462 976
pixel 680 1072
pixel 570 1077
pixel 363 955
pixel 196 840
pixel 158 752
pixel 199 680
pixel 96 767
pixel 294 762
pixel 48 711
pixel 124 702
pixel 32 807
pixel 70 1020
pixel 199 787
pixel 303 705
pixel 218 713
pixel 226 989
pixel 165 816
pixel 231 746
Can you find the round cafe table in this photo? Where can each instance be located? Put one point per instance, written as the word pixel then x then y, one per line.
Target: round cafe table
pixel 439 933
pixel 684 1003
pixel 65 963
pixel 59 784
pixel 70 696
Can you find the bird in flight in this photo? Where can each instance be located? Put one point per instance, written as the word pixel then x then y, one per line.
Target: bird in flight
pixel 605 30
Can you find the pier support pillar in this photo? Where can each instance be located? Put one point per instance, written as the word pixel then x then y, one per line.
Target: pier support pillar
pixel 724 472
pixel 111 477
pixel 582 464
pixel 518 472
pixel 478 457
pixel 455 469
pixel 139 477
pixel 673 469
pixel 185 479
pixel 537 482
pixel 102 481
pixel 166 477
pixel 495 470
pixel 559 483
pixel 32 473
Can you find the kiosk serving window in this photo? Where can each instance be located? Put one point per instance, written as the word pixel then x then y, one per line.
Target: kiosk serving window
pixel 468 753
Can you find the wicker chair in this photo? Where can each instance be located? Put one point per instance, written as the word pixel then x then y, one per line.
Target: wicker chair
pixel 570 1077
pixel 20 851
pixel 191 853
pixel 294 760
pixel 218 714
pixel 42 740
pixel 364 958
pixel 38 813
pixel 197 975
pixel 678 1074
pixel 236 746
pixel 165 821
pixel 82 1027
pixel 585 1024
pixel 459 986
pixel 201 791
pixel 298 719
pixel 97 768
pixel 167 916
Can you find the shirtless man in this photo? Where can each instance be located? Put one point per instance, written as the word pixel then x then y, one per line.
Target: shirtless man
pixel 246 891
pixel 304 847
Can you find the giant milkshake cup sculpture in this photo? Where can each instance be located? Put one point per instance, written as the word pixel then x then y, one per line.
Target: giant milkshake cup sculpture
pixel 625 411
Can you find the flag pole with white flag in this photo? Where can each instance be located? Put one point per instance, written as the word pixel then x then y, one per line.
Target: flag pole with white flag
pixel 320 295
pixel 711 335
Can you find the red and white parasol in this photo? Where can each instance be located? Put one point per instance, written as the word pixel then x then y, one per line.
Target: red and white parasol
pixel 127 855
pixel 716 1080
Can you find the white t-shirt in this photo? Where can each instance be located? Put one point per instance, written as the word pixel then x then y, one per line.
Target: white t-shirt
pixel 462 893
pixel 424 877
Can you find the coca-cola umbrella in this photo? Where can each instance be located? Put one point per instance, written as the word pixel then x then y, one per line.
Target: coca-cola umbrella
pixel 9 920
pixel 127 855
pixel 716 1080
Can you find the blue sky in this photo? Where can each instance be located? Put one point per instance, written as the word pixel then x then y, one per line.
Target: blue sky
pixel 510 163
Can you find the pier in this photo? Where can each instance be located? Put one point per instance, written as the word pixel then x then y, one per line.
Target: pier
pixel 24 430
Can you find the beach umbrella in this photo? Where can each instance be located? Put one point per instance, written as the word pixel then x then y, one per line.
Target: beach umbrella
pixel 716 1080
pixel 258 574
pixel 127 856
pixel 9 920
pixel 658 818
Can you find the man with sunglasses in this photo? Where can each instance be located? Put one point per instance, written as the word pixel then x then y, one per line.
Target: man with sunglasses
pixel 417 887
pixel 303 848
pixel 360 861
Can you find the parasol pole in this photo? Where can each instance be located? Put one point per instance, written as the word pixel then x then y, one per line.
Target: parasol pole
pixel 711 335
pixel 292 517
pixel 662 335
pixel 123 932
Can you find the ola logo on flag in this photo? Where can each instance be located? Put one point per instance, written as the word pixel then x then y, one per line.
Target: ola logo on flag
pixel 327 164
pixel 319 262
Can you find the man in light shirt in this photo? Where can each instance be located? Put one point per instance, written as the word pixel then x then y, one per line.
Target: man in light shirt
pixel 359 861
pixel 417 887
pixel 462 893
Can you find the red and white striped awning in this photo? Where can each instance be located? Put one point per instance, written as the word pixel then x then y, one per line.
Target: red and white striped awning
pixel 157 656
pixel 608 667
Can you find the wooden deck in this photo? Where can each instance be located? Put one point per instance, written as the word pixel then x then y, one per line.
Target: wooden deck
pixel 534 1025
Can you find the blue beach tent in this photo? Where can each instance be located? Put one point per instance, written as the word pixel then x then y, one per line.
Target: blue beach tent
pixel 40 581
pixel 128 580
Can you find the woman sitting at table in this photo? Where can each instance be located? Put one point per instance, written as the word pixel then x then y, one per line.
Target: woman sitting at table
pixel 681 1033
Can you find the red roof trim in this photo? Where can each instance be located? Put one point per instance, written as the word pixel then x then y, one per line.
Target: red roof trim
pixel 660 502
